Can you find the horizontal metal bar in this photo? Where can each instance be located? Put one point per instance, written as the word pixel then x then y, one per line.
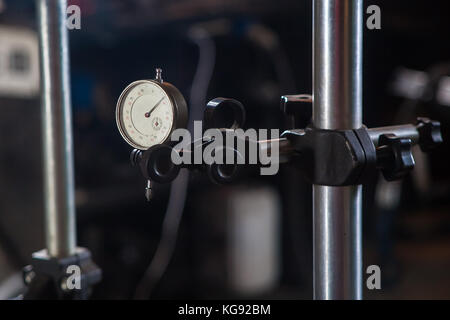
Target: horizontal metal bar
pixel 402 131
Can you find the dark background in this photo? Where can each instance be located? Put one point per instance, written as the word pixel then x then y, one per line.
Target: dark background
pixel 122 41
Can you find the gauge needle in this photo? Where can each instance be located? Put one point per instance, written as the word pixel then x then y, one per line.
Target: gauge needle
pixel 147 114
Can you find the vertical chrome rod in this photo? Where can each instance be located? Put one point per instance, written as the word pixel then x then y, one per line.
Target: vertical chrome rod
pixel 56 128
pixel 337 91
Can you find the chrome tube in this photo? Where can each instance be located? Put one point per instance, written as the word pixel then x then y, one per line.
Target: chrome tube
pixel 337 104
pixel 402 131
pixel 56 128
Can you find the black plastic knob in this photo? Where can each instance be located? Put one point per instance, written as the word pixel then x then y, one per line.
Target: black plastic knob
pixel 394 156
pixel 429 134
pixel 225 172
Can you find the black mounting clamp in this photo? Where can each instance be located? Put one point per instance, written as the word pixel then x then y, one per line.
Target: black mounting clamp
pixel 222 114
pixel 68 278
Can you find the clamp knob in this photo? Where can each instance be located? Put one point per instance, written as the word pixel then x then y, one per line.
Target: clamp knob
pixel 429 133
pixel 394 156
pixel 299 108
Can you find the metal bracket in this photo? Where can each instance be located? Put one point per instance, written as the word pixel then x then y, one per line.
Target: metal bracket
pixel 48 277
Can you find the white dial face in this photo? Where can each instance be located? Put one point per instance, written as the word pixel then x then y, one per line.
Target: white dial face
pixel 145 114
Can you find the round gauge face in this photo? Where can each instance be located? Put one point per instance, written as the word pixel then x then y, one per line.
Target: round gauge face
pixel 145 114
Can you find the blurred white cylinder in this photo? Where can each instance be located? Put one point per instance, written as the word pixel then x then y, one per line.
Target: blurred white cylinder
pixel 253 239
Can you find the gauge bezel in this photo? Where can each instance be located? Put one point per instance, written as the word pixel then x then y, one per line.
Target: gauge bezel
pixel 178 103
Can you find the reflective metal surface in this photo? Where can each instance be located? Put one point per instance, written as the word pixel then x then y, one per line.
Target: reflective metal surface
pixel 337 104
pixel 57 128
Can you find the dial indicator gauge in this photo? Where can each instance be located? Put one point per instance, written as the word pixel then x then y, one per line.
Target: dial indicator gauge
pixel 148 111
